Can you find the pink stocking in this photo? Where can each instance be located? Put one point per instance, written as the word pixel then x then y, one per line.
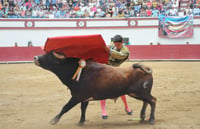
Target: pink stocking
pixel 123 97
pixel 103 107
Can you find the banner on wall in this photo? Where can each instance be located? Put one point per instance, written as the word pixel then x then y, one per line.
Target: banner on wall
pixel 175 27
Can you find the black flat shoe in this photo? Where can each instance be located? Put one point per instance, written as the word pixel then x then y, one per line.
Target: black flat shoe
pixel 129 113
pixel 104 117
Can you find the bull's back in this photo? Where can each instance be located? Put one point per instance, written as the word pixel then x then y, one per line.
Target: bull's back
pixel 105 80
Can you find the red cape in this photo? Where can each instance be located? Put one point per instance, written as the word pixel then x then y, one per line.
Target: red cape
pixel 84 47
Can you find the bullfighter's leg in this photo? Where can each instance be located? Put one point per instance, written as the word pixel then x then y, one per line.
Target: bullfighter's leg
pixel 71 103
pixel 103 108
pixel 83 111
pixel 143 110
pixel 127 109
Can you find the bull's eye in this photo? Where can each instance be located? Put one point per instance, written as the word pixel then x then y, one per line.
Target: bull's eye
pixel 55 60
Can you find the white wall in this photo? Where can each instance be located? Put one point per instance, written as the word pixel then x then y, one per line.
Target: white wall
pixel 141 31
pixel 138 36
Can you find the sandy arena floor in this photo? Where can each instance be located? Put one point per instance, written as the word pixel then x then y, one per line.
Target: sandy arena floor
pixel 30 97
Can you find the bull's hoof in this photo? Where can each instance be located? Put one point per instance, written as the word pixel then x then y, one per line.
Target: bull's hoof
pixel 80 123
pixel 151 121
pixel 142 118
pixel 142 121
pixel 54 121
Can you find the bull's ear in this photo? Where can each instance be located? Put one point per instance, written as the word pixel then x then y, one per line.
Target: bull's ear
pixel 58 55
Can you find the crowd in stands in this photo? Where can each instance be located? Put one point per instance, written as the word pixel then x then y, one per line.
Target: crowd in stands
pixel 92 8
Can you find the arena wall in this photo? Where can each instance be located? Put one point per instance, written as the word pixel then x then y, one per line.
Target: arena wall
pixel 142 34
pixel 137 52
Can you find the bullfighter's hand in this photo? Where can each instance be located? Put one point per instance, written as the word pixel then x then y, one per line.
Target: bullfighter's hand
pixel 107 49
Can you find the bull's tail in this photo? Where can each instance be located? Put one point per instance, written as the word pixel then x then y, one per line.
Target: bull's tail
pixel 146 70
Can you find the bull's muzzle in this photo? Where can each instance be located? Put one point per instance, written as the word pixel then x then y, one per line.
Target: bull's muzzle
pixel 36 60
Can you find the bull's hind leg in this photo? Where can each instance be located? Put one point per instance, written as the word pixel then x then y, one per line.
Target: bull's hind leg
pixel 153 106
pixel 143 110
pixel 152 101
pixel 146 100
pixel 83 111
pixel 72 102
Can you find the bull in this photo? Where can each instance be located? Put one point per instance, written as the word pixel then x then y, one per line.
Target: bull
pixel 99 81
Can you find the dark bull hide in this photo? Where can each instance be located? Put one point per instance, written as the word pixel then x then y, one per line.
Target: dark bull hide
pixel 98 82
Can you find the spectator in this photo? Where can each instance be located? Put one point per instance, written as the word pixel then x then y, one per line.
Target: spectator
pixel 155 12
pixel 11 13
pixel 56 13
pixel 6 10
pixel 143 13
pixel 136 9
pixel 23 6
pixel 196 11
pixel 101 13
pixel 11 4
pixel 86 14
pixel 47 5
pixel 28 13
pixel 144 5
pixel 154 4
pixel 18 2
pixel 1 6
pixel 149 12
pixel 95 8
pixel 41 13
pixel 109 11
pixel 67 14
pixel 1 13
pixel 62 12
pixel 35 13
pixel 17 11
pixel 16 45
pixel 60 3
pixel 22 13
pixel 173 12
pixel 28 4
pixel 65 5
pixel 53 4
pixel 149 4
pixel 79 14
pixel 120 13
pixel 30 44
pixel 126 12
pixel 76 8
pixel 70 3
pixel 91 13
pixel 37 2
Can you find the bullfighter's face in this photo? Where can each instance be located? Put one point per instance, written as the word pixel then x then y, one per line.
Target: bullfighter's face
pixel 118 45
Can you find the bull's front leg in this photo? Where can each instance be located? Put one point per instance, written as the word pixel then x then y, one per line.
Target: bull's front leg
pixel 83 111
pixel 71 103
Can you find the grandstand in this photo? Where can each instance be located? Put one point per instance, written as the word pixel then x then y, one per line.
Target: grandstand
pixel 96 8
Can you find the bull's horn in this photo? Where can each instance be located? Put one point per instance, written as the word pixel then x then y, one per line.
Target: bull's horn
pixel 59 56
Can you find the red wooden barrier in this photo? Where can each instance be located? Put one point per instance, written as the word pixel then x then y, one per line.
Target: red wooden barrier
pixel 17 54
pixel 138 52
pixel 162 52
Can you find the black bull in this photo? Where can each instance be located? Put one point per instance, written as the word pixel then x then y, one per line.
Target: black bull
pixel 98 82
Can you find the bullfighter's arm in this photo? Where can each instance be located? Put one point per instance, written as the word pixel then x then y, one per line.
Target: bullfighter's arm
pixel 121 54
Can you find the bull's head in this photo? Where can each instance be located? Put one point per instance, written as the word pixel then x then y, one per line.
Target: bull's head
pixel 50 61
